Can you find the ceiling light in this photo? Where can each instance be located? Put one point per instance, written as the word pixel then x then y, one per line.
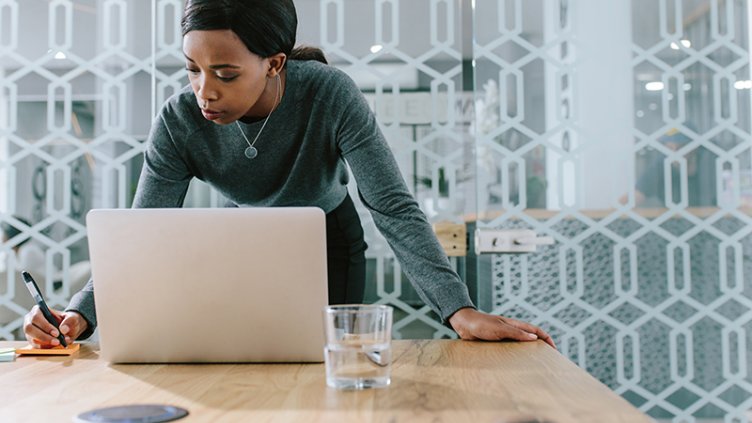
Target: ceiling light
pixel 743 85
pixel 654 86
pixel 376 48
pixel 685 43
pixel 60 55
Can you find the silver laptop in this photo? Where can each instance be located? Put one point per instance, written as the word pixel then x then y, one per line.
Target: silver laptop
pixel 209 285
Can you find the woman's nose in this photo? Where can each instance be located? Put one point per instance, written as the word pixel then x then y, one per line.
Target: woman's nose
pixel 205 91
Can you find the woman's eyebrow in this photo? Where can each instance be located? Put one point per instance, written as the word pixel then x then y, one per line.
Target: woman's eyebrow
pixel 219 66
pixel 223 66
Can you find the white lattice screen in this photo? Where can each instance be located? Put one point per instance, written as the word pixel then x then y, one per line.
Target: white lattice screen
pixel 649 291
pixel 574 103
pixel 79 83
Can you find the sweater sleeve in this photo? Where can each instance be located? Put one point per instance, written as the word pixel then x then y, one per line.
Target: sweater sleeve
pixel 163 183
pixel 165 176
pixel 395 212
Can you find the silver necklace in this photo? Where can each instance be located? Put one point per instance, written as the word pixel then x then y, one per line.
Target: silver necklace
pixel 251 152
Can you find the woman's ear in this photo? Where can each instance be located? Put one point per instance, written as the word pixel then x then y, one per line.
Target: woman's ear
pixel 276 64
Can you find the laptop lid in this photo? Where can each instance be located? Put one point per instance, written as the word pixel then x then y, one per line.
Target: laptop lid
pixel 209 285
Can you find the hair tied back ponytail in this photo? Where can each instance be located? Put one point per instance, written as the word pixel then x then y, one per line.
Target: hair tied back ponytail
pixel 304 52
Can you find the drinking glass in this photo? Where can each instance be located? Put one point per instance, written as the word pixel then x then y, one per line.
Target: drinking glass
pixel 358 351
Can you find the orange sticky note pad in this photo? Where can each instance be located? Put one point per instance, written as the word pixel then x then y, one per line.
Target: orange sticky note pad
pixel 59 350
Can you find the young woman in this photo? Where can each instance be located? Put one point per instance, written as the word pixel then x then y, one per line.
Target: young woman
pixel 270 125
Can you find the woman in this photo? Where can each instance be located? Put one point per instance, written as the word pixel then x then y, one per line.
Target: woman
pixel 269 125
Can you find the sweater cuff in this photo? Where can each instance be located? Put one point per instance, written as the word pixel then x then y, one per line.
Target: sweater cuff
pixel 455 297
pixel 83 304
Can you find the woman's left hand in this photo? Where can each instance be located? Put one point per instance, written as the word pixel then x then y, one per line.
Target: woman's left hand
pixel 474 325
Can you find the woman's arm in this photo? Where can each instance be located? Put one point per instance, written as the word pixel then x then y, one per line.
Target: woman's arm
pixel 398 217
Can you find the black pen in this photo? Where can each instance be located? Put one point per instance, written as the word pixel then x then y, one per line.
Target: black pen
pixel 34 289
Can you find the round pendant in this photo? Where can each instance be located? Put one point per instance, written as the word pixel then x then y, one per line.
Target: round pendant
pixel 251 152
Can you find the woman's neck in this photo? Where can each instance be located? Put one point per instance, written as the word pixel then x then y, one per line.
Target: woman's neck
pixel 269 100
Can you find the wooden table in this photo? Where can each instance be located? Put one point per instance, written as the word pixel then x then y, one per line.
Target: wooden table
pixel 432 380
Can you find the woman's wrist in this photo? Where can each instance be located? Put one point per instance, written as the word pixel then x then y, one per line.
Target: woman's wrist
pixel 458 319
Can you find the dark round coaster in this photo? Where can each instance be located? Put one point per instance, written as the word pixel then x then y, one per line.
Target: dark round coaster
pixel 135 413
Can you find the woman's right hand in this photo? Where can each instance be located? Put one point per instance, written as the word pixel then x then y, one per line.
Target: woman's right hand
pixel 42 334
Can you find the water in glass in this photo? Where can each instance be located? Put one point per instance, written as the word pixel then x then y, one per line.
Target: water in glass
pixel 356 366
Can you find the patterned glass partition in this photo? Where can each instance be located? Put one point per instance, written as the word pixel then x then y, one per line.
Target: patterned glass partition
pixel 79 84
pixel 621 128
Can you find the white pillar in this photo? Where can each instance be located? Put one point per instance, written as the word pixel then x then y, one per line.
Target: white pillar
pixel 601 105
pixel 605 100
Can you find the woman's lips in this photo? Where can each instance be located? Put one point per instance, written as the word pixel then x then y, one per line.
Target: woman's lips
pixel 211 114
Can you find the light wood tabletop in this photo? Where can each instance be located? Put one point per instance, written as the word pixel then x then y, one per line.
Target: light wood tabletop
pixel 432 380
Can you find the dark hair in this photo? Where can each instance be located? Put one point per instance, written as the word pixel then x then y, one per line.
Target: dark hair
pixel 266 27
pixel 11 231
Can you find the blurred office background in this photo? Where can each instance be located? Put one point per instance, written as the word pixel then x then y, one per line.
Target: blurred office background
pixel 620 128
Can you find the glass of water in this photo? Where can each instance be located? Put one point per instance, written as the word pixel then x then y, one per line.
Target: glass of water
pixel 358 350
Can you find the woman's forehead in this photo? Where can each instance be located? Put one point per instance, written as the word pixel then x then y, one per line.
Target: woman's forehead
pixel 220 45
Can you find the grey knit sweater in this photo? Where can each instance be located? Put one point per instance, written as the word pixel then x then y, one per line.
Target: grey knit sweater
pixel 321 122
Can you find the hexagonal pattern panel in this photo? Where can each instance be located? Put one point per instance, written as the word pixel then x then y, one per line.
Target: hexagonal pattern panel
pixel 650 292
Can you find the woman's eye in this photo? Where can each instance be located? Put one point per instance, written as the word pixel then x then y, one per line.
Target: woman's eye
pixel 226 78
pixel 192 70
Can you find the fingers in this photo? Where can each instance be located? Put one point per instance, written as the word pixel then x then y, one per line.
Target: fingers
pixel 57 315
pixel 546 338
pixel 506 330
pixel 39 332
pixel 72 325
pixel 527 327
pixel 543 336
